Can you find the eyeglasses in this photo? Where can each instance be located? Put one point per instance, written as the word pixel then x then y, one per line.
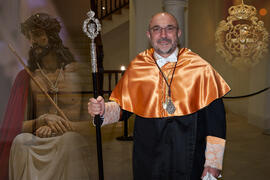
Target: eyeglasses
pixel 158 29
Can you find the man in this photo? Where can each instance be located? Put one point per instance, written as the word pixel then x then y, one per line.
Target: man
pixel 35 140
pixel 179 130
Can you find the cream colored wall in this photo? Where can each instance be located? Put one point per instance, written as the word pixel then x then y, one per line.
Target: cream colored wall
pixel 259 105
pixel 125 42
pixel 140 15
pixel 203 20
pixel 116 48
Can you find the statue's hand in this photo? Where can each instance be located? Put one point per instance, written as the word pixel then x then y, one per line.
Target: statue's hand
pixel 44 131
pixel 57 124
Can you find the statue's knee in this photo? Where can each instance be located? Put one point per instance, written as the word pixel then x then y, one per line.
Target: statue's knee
pixel 22 139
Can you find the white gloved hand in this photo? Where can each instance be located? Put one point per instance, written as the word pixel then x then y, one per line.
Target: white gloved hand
pixel 210 177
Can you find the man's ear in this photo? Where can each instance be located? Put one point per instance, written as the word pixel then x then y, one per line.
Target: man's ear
pixel 179 33
pixel 148 34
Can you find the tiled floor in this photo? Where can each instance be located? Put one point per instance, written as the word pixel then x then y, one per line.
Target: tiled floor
pixel 247 155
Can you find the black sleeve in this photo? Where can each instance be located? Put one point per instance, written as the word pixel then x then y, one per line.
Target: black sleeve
pixel 212 121
pixel 215 117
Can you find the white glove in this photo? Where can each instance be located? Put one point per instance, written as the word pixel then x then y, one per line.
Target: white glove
pixel 210 177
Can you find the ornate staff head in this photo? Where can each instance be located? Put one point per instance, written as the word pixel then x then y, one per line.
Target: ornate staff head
pixel 91 25
pixel 91 28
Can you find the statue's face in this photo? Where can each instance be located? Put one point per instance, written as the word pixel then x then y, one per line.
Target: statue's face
pixel 40 43
pixel 38 37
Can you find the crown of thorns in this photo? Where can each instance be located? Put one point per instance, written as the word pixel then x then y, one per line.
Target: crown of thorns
pixel 40 21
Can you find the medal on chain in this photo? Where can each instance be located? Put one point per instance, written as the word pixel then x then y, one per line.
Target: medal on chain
pixel 170 107
pixel 168 104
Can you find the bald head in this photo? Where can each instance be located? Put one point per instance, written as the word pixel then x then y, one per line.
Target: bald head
pixel 163 33
pixel 162 17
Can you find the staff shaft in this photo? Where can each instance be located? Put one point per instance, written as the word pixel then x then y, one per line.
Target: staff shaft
pixel 98 123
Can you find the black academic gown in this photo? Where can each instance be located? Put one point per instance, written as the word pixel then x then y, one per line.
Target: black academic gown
pixel 173 148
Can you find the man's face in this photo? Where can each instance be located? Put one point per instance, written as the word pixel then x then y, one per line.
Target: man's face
pixel 163 34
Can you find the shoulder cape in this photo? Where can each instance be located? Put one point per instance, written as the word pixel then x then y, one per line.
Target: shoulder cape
pixel 195 85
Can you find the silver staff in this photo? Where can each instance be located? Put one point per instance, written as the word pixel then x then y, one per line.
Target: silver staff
pixel 91 27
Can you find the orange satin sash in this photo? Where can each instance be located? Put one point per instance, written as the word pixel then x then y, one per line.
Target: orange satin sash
pixel 142 88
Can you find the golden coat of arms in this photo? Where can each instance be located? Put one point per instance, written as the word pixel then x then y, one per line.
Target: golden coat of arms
pixel 242 39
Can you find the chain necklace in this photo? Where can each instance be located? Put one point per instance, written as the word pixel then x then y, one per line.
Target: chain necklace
pixel 53 86
pixel 168 104
pixel 166 98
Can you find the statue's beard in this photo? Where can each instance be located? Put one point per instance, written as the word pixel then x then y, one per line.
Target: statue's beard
pixel 38 52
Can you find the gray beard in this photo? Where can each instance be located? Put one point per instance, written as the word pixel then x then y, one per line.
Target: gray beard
pixel 171 50
pixel 159 51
